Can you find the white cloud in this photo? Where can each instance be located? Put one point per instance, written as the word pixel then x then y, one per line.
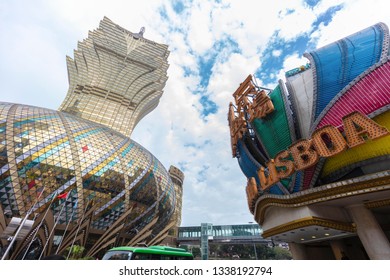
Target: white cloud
pixel 355 16
pixel 200 36
pixel 276 53
pixel 290 62
pixel 297 22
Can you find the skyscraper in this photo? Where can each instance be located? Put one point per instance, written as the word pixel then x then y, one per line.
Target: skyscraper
pixel 116 77
pixel 74 174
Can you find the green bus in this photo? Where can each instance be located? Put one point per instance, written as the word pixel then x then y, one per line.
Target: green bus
pixel 147 253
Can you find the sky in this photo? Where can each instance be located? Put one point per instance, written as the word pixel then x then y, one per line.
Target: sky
pixel 214 45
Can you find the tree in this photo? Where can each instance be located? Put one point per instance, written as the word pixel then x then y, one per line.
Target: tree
pixel 76 253
pixel 282 254
pixel 196 252
pixel 247 252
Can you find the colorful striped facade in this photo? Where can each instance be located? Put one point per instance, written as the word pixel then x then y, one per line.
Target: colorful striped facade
pixel 349 75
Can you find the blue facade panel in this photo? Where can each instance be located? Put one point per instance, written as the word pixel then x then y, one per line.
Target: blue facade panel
pixel 337 64
pixel 247 164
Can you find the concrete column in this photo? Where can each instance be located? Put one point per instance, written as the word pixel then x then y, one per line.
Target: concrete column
pixel 370 233
pixel 337 247
pixel 298 251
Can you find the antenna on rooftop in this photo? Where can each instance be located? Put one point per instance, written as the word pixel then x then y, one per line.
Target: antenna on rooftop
pixel 140 34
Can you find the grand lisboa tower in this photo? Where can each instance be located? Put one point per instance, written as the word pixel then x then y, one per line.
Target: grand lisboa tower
pixel 74 176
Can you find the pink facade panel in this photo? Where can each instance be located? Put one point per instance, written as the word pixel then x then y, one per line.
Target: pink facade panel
pixel 369 94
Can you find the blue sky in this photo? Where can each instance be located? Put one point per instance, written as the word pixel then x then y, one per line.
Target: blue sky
pixel 214 45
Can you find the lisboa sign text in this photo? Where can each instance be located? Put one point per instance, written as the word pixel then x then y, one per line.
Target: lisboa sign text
pixel 325 142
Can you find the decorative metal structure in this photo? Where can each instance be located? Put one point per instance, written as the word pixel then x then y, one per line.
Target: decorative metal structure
pixel 75 173
pixel 319 147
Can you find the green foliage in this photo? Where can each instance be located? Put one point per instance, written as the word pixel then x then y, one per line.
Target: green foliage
pixel 247 252
pixel 196 252
pixel 76 253
pixel 282 254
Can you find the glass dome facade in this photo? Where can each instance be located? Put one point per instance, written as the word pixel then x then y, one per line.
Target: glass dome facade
pixel 45 154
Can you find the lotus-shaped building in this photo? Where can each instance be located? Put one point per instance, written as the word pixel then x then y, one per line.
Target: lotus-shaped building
pixel 74 176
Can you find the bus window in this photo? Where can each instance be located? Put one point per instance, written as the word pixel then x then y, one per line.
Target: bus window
pixel 117 255
pixel 140 256
pixel 155 257
pixel 184 258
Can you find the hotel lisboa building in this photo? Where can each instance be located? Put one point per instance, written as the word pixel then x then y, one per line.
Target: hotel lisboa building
pixel 316 150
